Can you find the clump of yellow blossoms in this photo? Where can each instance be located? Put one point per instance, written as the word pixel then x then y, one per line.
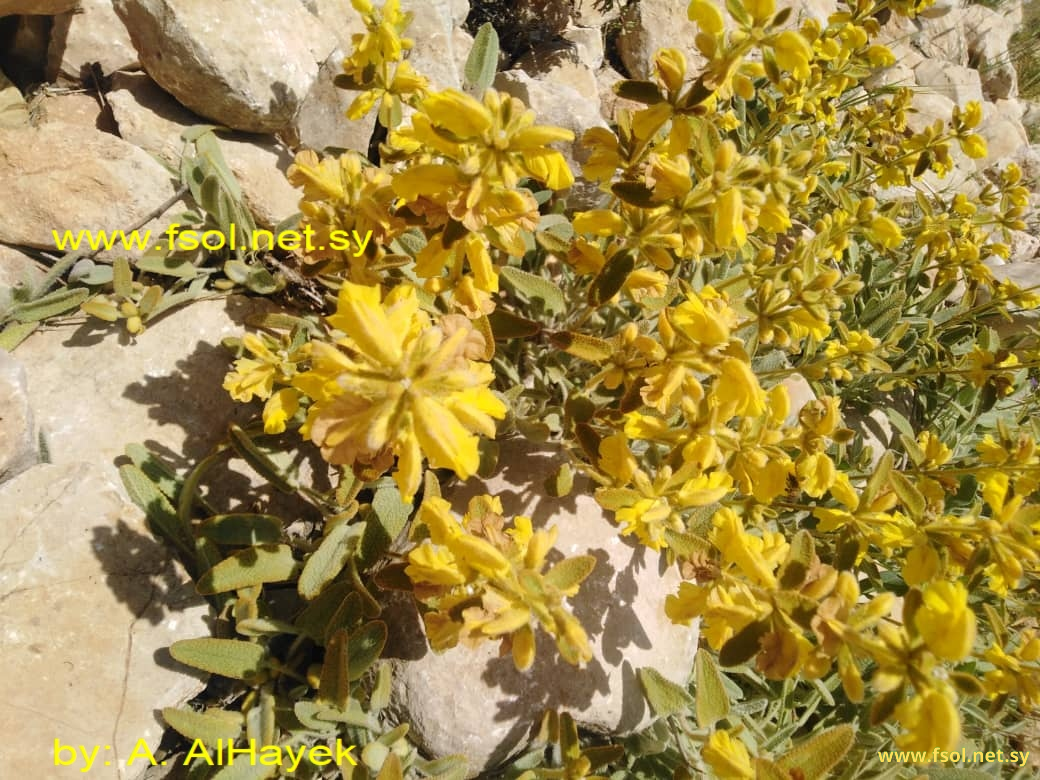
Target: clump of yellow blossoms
pixel 482 580
pixel 712 343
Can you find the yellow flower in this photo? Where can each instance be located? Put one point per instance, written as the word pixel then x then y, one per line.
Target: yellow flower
pixel 281 406
pixel 256 377
pixel 945 621
pixel 399 383
pixel 931 722
pixel 727 757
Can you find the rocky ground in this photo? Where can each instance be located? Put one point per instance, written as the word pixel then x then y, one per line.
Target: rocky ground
pixel 94 96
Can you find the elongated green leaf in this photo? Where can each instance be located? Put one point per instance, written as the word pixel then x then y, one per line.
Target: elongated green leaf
pixel 122 278
pixel 665 697
pixel 391 515
pixel 569 573
pixel 335 685
pixel 51 305
pixel 325 563
pixel 226 657
pixel 365 646
pixel 612 278
pixel 909 495
pixel 155 469
pixel 161 515
pixel 482 62
pixel 505 325
pixel 178 267
pixel 816 756
pixel 534 286
pixel 646 92
pixel 242 529
pixel 15 333
pixel 712 699
pixel 744 645
pixel 253 566
pixel 210 726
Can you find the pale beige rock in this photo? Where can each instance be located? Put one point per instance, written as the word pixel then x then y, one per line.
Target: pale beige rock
pixel 94 33
pixel 800 392
pixel 653 24
pixel 150 118
pixel 36 7
pixel 93 392
pixel 338 17
pixel 471 701
pixel 14 112
pixel 561 72
pixel 79 109
pixel 929 107
pixel 322 121
pixel 91 602
pixel 1004 135
pixel 100 183
pixel 586 14
pixel 17 268
pixel 1025 247
pixel 246 64
pixel 588 45
pixel 988 35
pixel 897 75
pixel 434 54
pixel 610 102
pixel 17 437
pixel 956 82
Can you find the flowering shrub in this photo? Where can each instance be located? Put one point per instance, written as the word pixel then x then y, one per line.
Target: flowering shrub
pixel 763 226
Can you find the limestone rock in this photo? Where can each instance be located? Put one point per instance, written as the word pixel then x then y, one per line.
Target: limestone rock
pixel 17 438
pixel 164 389
pixel 91 602
pixel 17 269
pixel 471 701
pixel 151 119
pixel 322 120
pixel 956 82
pixel 588 45
pixel 988 35
pixel 73 108
pixel 13 110
pixel 434 54
pixel 92 34
pixel 1004 134
pixel 36 7
pixel 587 14
pixel 1025 247
pixel 101 183
pixel 246 64
pixel 653 24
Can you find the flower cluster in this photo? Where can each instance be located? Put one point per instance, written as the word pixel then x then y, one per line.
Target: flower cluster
pixel 480 579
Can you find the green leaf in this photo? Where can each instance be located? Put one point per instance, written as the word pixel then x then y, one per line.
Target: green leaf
pixel 210 726
pixel 744 645
pixel 712 699
pixel 253 566
pixel 317 615
pixel 391 515
pixel 570 572
pixel 51 305
pixel 226 657
pixel 817 755
pixel 909 495
pixel 686 545
pixel 161 514
pixel 364 647
pixel 482 62
pixel 380 697
pixel 560 482
pixel 582 345
pixel 178 267
pixel 122 278
pixel 15 333
pixel 611 278
pixel 335 685
pixel 665 697
pixel 646 92
pixel 325 563
pixel 155 469
pixel 534 286
pixel 506 325
pixel 243 528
